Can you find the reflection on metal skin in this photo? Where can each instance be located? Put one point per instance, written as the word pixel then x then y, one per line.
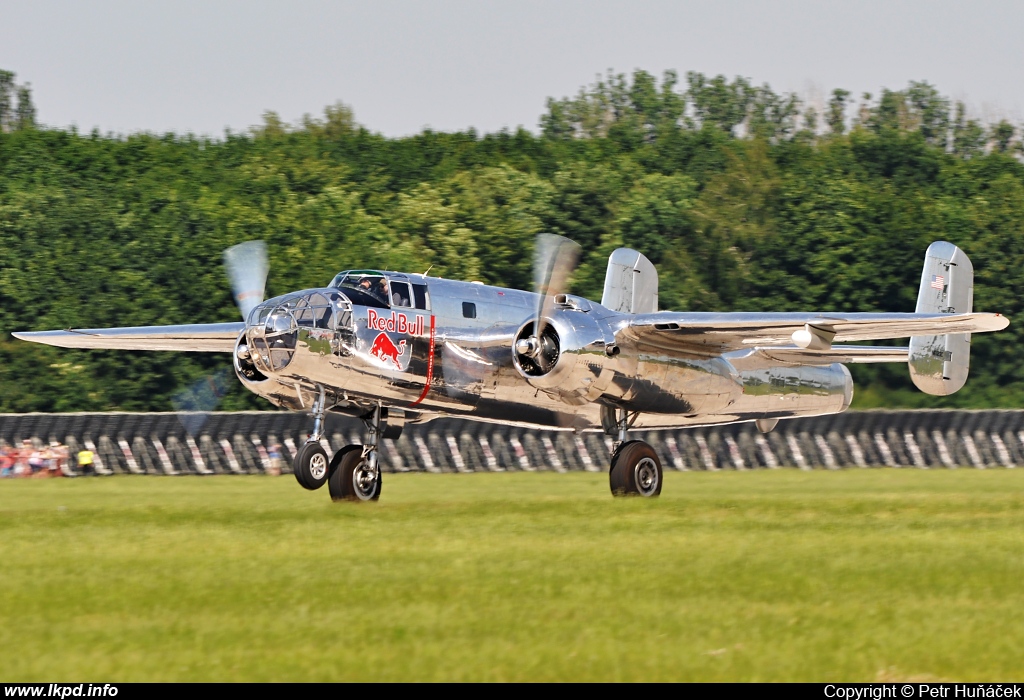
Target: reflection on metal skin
pixel 440 359
pixel 939 364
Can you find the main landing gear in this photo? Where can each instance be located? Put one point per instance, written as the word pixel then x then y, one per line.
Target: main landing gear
pixel 353 474
pixel 355 471
pixel 635 469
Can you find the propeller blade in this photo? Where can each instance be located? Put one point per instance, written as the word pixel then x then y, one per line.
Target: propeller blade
pixel 554 259
pixel 194 403
pixel 247 268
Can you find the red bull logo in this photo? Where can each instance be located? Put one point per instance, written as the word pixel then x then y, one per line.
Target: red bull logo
pixel 394 322
pixel 384 349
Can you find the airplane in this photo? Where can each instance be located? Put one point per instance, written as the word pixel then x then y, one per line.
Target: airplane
pixel 393 348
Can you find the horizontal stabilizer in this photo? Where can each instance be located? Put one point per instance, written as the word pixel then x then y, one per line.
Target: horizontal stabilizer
pixel 196 337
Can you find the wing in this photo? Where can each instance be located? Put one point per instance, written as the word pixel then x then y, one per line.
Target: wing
pixel 196 337
pixel 763 357
pixel 706 334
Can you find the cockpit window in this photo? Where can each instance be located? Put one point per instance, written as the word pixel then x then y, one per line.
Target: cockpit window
pixel 400 295
pixel 364 287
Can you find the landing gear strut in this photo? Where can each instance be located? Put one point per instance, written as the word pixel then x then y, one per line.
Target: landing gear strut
pixel 310 466
pixel 635 469
pixel 354 473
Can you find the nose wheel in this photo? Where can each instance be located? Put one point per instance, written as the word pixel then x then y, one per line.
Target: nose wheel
pixel 310 466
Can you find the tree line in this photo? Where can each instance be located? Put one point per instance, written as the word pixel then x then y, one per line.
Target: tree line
pixel 744 199
pixel 16 108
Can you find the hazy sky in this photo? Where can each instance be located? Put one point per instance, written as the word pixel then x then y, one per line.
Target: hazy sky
pixel 402 65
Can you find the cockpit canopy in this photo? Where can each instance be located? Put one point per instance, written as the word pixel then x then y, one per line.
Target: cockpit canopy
pixel 381 289
pixel 325 309
pixel 273 328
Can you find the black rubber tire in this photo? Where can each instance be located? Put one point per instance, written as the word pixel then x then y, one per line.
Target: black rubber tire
pixel 344 482
pixel 636 471
pixel 336 461
pixel 310 466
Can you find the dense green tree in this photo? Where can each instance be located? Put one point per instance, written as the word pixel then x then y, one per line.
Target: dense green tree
pixel 1001 136
pixel 718 102
pixel 25 114
pixel 968 134
pixel 6 87
pixel 836 117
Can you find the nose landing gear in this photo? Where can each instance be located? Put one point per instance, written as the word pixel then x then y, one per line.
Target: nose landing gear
pixel 310 466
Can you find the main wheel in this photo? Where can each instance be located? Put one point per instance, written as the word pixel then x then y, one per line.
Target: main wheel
pixel 310 466
pixel 636 471
pixel 336 461
pixel 351 477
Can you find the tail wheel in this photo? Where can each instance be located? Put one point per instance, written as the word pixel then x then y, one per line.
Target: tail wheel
pixel 310 466
pixel 636 471
pixel 352 478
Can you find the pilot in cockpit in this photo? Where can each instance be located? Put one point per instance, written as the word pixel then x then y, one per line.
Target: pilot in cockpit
pixel 396 296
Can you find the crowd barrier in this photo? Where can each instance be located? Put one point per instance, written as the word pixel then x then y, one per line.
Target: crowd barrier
pixel 226 443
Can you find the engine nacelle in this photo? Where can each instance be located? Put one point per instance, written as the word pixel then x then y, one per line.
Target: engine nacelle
pixel 571 359
pixel 245 367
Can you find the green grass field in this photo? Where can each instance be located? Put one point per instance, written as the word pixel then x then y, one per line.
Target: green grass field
pixel 866 575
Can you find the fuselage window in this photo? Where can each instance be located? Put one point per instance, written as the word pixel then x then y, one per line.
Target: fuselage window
pixel 400 295
pixel 468 309
pixel 420 295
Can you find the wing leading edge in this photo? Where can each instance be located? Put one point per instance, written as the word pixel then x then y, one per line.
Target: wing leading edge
pixel 196 337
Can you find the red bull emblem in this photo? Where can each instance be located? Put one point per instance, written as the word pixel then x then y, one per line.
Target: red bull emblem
pixel 394 322
pixel 384 349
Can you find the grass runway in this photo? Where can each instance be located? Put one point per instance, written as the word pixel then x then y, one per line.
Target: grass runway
pixel 881 574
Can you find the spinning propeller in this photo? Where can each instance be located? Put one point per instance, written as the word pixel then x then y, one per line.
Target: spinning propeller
pixel 554 259
pixel 247 267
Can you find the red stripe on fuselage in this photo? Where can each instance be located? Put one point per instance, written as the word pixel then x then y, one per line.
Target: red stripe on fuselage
pixel 430 365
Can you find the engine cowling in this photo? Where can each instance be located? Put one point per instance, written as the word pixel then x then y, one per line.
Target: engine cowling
pixel 569 359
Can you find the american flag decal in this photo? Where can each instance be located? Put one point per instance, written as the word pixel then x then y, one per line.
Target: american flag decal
pixel 938 282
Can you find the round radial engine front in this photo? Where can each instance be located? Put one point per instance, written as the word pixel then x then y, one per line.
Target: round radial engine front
pixel 569 358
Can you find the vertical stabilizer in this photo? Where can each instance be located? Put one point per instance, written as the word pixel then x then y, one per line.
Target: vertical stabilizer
pixel 939 363
pixel 631 283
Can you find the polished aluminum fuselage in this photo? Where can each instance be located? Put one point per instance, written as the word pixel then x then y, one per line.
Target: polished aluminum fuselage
pixel 455 357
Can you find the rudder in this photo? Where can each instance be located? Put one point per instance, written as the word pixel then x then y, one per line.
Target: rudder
pixel 939 363
pixel 630 283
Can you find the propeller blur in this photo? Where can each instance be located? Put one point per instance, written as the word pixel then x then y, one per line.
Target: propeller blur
pixel 392 348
